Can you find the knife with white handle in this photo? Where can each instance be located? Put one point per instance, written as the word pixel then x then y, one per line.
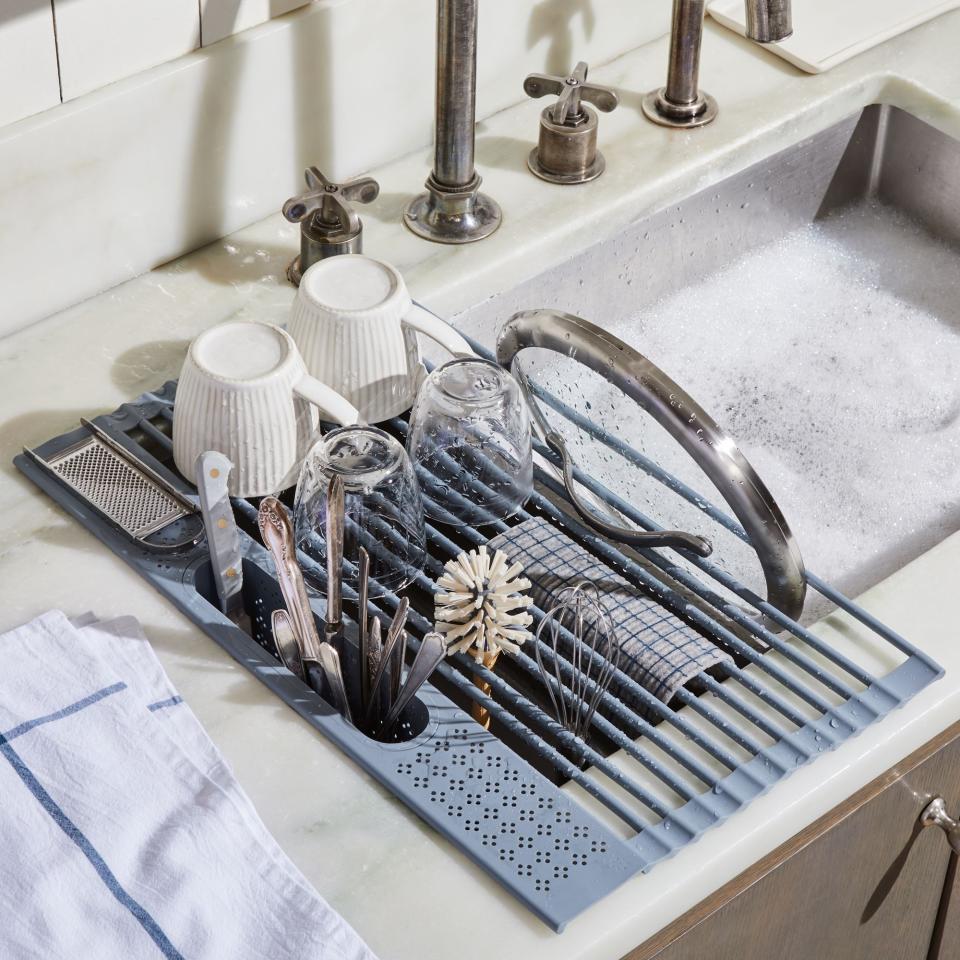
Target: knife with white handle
pixel 211 472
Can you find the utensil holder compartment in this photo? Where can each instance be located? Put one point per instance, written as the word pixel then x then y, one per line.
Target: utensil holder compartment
pixel 261 596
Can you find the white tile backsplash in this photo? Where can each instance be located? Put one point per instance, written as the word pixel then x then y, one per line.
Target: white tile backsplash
pixel 100 41
pixel 134 175
pixel 28 59
pixel 223 18
pixel 373 65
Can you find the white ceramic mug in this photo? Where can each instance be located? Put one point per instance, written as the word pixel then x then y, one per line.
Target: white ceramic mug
pixel 356 327
pixel 244 390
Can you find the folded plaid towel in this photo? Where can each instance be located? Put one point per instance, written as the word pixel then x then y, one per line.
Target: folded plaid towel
pixel 658 649
pixel 123 833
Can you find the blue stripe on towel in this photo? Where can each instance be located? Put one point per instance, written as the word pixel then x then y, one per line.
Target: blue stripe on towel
pixel 163 704
pixel 73 831
pixel 65 712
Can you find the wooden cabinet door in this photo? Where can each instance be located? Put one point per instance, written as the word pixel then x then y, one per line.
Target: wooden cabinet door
pixel 946 938
pixel 865 882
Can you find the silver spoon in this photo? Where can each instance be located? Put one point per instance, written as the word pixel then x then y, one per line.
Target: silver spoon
pixel 277 534
pixel 433 648
pixel 285 640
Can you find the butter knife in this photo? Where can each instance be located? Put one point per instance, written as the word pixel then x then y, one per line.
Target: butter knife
pixel 363 586
pixel 374 656
pixel 393 647
pixel 335 508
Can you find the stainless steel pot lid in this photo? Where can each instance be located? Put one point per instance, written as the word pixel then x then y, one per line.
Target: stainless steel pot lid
pixel 711 448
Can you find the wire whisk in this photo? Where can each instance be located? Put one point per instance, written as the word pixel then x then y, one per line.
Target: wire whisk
pixel 579 631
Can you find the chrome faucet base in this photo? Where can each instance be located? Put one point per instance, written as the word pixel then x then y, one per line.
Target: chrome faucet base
pixel 453 210
pixel 581 176
pixel 681 103
pixel 294 271
pixel 451 215
pixel 314 249
pixel 659 109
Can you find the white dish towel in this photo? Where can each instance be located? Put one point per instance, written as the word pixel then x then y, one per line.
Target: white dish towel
pixel 123 834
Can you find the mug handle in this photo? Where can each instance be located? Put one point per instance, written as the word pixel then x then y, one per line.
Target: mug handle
pixel 429 324
pixel 329 402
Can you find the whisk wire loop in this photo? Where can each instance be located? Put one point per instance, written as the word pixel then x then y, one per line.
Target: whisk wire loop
pixel 579 623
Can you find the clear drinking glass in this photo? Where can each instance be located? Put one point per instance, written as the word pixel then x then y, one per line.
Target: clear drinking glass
pixel 382 507
pixel 470 435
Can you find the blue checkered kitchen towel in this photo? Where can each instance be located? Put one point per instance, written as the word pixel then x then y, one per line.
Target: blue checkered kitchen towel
pixel 658 650
pixel 123 833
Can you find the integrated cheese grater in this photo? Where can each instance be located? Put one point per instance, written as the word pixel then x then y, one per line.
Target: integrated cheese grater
pixel 124 490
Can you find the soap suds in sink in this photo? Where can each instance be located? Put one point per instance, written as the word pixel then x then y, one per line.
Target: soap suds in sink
pixel 833 359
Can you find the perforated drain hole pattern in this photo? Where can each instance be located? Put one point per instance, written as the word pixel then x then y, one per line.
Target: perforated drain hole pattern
pixel 529 828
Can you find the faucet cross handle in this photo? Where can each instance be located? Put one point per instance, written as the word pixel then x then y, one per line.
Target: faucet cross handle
pixel 328 223
pixel 571 90
pixel 331 202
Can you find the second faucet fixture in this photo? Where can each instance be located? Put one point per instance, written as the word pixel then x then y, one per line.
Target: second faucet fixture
pixel 567 151
pixel 681 103
pixel 453 210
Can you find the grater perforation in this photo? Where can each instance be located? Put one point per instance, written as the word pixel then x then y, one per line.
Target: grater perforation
pixel 116 488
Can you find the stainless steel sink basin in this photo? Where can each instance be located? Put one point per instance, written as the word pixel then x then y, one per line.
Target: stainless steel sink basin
pixel 811 304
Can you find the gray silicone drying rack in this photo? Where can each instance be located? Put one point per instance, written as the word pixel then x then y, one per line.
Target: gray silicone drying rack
pixel 495 794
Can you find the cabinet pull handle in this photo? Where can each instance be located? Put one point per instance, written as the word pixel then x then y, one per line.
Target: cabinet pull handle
pixel 935 815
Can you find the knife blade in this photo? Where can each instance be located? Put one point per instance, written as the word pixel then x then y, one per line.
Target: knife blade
pixel 329 662
pixel 211 471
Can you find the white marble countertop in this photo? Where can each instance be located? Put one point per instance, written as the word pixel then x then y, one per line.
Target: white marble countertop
pixel 405 889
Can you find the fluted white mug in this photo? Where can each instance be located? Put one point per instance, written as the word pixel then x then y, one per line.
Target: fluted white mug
pixel 244 390
pixel 356 327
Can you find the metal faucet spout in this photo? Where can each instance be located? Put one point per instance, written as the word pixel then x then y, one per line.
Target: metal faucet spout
pixel 453 210
pixel 768 20
pixel 681 103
